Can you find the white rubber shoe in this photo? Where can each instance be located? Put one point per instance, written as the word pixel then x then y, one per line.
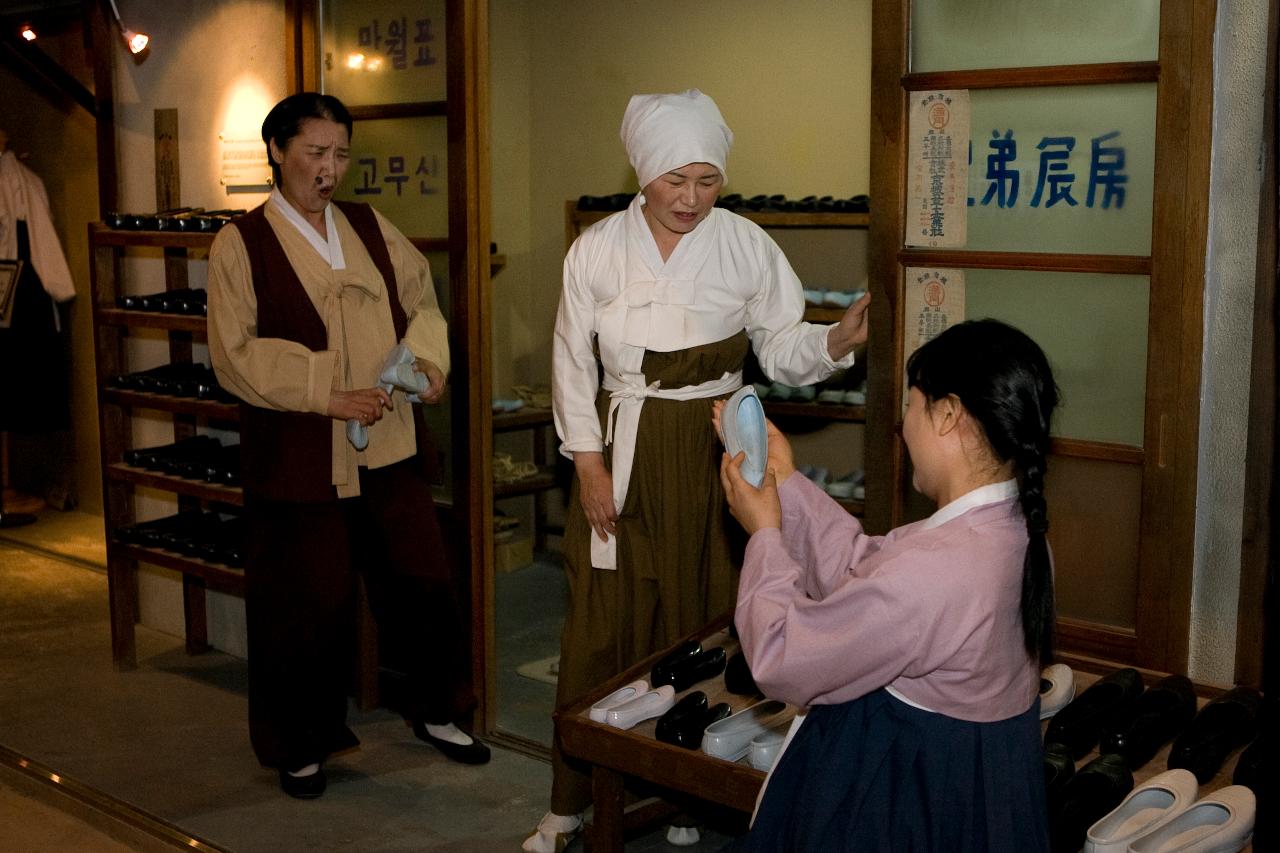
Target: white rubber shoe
pixel 553 834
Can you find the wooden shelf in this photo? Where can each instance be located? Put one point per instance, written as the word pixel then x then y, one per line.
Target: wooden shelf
pixel 153 320
pixel 525 418
pixel 217 576
pixel 542 481
pixel 819 411
pixel 102 235
pixel 178 405
pixel 814 314
pixel 231 495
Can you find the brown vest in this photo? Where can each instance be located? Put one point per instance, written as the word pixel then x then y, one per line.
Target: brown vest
pixel 286 456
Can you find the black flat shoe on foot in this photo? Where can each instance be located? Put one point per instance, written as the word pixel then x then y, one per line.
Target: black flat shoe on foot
pixel 472 753
pixel 303 787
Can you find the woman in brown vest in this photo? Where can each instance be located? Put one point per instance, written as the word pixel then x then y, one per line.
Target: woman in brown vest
pixel 306 299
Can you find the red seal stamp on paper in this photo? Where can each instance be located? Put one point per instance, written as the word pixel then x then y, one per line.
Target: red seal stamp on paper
pixel 934 294
pixel 939 115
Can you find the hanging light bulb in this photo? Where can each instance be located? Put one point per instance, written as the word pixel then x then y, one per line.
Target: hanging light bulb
pixel 27 33
pixel 137 42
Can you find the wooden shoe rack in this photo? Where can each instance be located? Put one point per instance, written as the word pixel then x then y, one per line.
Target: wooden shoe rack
pixel 112 329
pixel 808 416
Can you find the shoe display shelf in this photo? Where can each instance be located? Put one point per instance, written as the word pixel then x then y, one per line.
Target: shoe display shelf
pixel 616 755
pixel 112 329
pixel 805 415
pixel 536 421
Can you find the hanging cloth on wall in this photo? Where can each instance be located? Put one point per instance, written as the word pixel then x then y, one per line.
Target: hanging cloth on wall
pixel 34 374
pixel 23 197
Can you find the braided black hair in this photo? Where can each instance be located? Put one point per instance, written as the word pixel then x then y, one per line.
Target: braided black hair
pixel 1003 380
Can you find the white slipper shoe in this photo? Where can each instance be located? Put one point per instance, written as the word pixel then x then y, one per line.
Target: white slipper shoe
pixel 730 738
pixel 1057 689
pixel 742 428
pixel 765 747
pixel 553 834
pixel 1221 822
pixel 621 695
pixel 646 706
pixel 1147 808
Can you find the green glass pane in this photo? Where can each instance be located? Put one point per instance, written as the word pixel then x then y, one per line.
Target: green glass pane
pixel 382 51
pixel 399 167
pixel 951 35
pixel 1093 329
pixel 1062 169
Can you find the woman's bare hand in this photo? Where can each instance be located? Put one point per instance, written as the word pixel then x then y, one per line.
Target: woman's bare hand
pixel 755 509
pixel 435 380
pixel 364 405
pixel 851 331
pixel 595 492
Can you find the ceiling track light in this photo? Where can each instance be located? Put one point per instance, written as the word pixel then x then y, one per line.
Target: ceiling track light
pixel 136 42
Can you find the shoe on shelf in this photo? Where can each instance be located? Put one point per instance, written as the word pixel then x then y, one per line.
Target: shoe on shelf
pixel 1093 792
pixel 463 753
pixel 661 673
pixel 766 746
pixel 687 672
pixel 820 476
pixel 1057 688
pixel 730 738
pixel 1224 724
pixel 683 836
pixel 856 397
pixel 742 429
pixel 842 488
pixel 674 726
pixel 1160 714
pixel 803 393
pixel 1059 767
pixel 839 298
pixel 779 391
pixel 813 298
pixel 307 787
pixel 1147 808
pixel 831 396
pixel 737 677
pixel 1221 822
pixel 1080 723
pixel 646 706
pixel 623 694
pixel 1248 770
pixel 762 390
pixel 553 833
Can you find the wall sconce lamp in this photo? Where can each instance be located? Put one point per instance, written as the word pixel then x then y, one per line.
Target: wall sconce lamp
pixel 137 42
pixel 27 33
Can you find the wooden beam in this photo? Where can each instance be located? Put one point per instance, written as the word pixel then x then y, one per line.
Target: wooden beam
pixel 98 39
pixel 42 73
pixel 1092 74
pixel 1027 261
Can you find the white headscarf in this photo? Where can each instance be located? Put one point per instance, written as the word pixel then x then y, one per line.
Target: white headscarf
pixel 665 132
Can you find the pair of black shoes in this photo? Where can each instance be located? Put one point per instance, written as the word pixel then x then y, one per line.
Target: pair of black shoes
pixel 472 753
pixel 688 664
pixel 1105 705
pixel 194 381
pixel 685 722
pixel 192 301
pixel 200 457
pixel 1077 800
pixel 1227 722
pixel 203 535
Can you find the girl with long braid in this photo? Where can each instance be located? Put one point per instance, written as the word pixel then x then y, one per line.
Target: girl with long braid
pixel 918 653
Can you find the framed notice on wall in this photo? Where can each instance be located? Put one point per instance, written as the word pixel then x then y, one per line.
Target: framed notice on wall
pixel 10 272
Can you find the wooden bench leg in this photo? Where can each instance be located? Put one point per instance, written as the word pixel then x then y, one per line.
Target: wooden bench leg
pixel 194 615
pixel 606 823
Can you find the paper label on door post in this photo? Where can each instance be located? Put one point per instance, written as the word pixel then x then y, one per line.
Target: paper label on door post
pixel 937 169
pixel 934 301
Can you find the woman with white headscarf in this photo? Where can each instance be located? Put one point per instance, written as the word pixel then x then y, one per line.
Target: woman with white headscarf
pixel 660 304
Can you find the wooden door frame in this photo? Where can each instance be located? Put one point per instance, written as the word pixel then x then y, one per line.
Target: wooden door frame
pixel 1184 105
pixel 471 379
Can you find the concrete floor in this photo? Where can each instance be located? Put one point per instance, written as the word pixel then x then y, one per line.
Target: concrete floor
pixel 171 738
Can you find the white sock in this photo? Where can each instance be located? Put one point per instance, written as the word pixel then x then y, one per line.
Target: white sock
pixel 449 732
pixel 309 770
pixel 543 839
pixel 683 836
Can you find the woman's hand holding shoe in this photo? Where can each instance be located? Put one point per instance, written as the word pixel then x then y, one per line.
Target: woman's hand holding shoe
pixel 595 492
pixel 755 509
pixel 363 405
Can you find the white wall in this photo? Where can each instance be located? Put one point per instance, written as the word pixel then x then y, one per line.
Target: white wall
pixel 1240 65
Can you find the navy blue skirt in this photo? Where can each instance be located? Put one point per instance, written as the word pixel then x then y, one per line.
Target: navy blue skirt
pixel 878 774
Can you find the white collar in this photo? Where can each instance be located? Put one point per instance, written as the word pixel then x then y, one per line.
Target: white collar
pixel 331 249
pixel 989 494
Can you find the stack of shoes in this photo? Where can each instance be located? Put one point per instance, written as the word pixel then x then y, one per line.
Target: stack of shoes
pixel 617 201
pixel 507 470
pixel 1164 710
pixel 848 487
pixel 194 381
pixel 685 722
pixel 534 396
pixel 1227 722
pixel 191 301
pixel 790 393
pixel 203 535
pixel 200 457
pixel 837 395
pixel 731 737
pixel 1079 725
pixel 1163 815
pixel 507 406
pixel 185 219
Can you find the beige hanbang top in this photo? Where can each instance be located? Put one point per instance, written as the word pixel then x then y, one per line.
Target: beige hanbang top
pixel 352 301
